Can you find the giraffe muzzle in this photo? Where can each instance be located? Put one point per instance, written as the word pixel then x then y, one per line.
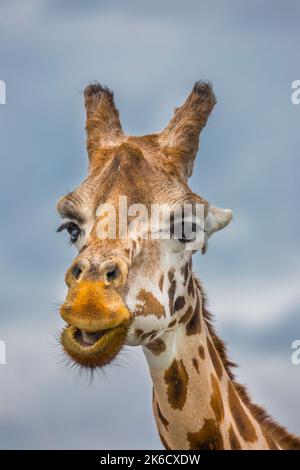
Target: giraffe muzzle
pixel 97 323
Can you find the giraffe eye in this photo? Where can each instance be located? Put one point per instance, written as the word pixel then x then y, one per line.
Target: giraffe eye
pixel 73 230
pixel 185 231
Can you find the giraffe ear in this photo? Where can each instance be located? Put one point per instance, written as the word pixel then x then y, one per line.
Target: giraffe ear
pixel 215 220
pixel 180 139
pixel 103 124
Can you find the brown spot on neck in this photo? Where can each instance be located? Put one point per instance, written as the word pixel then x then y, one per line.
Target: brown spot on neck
pixel 149 305
pixel 179 303
pixel 216 361
pixel 161 282
pixel 176 379
pixel 193 327
pixel 191 289
pixel 149 334
pixel 208 438
pixel 157 346
pixel 216 401
pixel 164 420
pixel 187 315
pixel 171 274
pixel 201 352
pixel 233 440
pixel 195 364
pixel 185 273
pixel 138 333
pixel 172 323
pixel 242 421
pixel 171 291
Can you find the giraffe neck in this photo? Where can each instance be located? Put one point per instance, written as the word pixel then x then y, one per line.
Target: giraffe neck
pixel 195 403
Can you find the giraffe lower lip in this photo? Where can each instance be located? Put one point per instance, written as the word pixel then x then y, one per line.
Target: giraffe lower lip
pixel 93 349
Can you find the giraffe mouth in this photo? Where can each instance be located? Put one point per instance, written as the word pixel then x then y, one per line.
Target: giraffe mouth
pixel 93 349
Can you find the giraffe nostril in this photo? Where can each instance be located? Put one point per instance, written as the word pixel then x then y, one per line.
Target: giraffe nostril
pixel 111 272
pixel 76 271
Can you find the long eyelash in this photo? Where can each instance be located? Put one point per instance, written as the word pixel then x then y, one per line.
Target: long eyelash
pixel 62 227
pixel 69 242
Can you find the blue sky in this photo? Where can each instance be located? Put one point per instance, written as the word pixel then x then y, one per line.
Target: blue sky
pixel 150 54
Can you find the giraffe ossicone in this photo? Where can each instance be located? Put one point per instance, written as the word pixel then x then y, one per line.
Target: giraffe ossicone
pixel 141 291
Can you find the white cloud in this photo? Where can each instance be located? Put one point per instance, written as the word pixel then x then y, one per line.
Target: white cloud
pixel 253 301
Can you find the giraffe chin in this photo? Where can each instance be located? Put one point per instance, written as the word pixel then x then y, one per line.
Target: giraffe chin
pixel 95 349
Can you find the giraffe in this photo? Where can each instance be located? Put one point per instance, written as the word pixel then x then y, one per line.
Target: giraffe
pixel 143 292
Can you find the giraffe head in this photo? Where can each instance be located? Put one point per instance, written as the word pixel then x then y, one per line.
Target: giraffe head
pixel 121 286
